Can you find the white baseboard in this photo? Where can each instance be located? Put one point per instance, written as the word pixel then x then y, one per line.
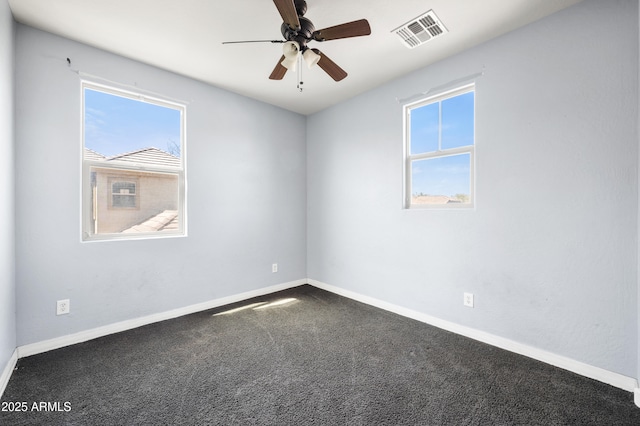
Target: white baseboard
pixel 8 370
pixel 83 336
pixel 618 380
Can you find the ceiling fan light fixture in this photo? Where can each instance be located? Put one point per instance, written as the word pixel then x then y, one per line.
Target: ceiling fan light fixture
pixel 310 57
pixel 289 63
pixel 290 50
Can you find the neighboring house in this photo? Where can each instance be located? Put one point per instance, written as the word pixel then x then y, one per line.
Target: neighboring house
pixel 133 200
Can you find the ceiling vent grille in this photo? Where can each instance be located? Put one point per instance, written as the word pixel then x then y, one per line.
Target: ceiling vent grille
pixel 420 30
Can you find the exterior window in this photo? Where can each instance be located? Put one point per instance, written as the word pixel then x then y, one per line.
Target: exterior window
pixel 439 150
pixel 123 194
pixel 133 165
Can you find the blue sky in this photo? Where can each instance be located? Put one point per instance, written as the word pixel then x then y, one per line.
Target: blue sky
pixel 448 175
pixel 115 124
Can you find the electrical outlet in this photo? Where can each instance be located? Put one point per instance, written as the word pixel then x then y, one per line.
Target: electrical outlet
pixel 468 300
pixel 274 267
pixel 63 307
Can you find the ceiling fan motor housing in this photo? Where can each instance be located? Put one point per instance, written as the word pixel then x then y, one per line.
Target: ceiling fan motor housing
pixel 303 35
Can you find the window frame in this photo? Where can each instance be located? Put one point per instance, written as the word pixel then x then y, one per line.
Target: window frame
pixel 409 158
pixel 118 171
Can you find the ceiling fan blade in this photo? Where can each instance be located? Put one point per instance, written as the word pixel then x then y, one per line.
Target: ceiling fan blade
pixel 330 67
pixel 253 41
pixel 288 13
pixel 349 29
pixel 279 71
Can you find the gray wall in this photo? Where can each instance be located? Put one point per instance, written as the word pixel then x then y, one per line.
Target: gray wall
pixel 550 251
pixel 7 220
pixel 246 198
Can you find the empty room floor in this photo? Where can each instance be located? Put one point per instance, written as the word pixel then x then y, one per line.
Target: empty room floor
pixel 297 357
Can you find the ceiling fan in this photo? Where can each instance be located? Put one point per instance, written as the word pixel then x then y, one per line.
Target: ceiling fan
pixel 298 31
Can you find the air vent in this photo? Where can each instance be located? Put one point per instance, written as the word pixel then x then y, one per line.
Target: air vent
pixel 420 30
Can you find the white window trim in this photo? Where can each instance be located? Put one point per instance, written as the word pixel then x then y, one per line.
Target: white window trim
pixel 86 202
pixel 408 158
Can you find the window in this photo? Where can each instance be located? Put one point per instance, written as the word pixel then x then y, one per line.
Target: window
pixel 439 150
pixel 123 194
pixel 133 182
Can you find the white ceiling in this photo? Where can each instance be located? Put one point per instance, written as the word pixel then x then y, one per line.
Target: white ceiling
pixel 185 36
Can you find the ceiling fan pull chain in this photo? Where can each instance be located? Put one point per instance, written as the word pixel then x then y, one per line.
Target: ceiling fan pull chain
pixel 300 82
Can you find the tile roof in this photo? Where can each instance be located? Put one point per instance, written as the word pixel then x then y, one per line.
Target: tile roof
pixel 92 155
pixel 164 221
pixel 149 155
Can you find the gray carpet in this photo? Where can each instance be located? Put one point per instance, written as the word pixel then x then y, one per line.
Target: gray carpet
pixel 317 360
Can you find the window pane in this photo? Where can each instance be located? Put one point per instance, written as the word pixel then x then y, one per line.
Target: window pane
pixel 441 180
pixel 425 123
pixel 134 182
pixel 124 188
pixel 115 125
pixel 457 121
pixel 123 194
pixel 118 207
